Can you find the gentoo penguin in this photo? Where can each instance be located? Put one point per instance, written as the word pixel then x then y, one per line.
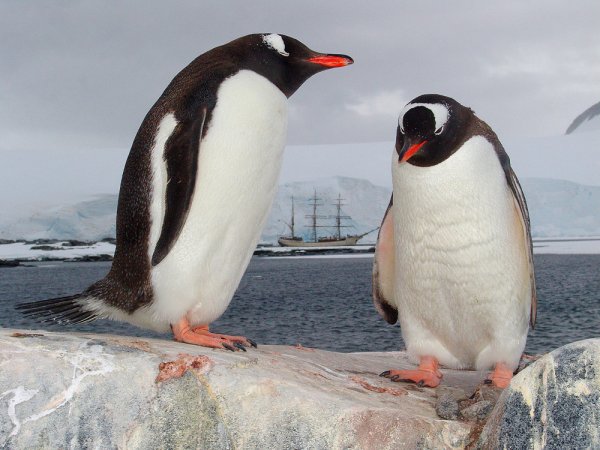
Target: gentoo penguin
pixel 453 258
pixel 196 191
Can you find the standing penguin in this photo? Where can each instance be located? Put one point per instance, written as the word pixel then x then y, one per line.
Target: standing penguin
pixel 196 191
pixel 454 255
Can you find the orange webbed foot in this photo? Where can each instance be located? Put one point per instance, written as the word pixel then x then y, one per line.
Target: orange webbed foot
pixel 501 376
pixel 238 341
pixel 183 332
pixel 427 374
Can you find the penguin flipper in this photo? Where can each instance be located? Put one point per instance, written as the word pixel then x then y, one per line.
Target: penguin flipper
pixel 523 213
pixel 60 310
pixel 384 268
pixel 181 157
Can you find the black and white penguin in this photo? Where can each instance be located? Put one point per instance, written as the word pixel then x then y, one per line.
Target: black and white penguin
pixel 196 191
pixel 454 259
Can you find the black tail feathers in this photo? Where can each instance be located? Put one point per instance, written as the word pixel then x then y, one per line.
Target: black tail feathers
pixel 61 310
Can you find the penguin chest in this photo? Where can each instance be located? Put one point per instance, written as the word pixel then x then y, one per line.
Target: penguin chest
pixel 238 168
pixel 462 270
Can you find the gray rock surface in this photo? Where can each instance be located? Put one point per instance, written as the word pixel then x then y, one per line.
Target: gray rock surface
pixel 67 390
pixel 554 403
pixel 75 390
pixel 446 407
pixel 478 411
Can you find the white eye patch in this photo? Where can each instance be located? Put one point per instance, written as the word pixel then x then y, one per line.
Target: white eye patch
pixel 440 114
pixel 275 42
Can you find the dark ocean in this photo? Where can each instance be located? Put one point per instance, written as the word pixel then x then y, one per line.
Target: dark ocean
pixel 320 302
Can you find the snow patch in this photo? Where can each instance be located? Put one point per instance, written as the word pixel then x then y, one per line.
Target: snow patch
pixel 275 42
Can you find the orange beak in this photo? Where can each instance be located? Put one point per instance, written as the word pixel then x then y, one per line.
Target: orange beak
pixel 412 150
pixel 331 60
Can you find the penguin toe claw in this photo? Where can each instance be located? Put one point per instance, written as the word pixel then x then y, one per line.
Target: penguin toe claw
pixel 385 374
pixel 228 347
pixel 252 343
pixel 240 346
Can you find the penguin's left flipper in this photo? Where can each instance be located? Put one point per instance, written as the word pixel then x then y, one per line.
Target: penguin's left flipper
pixel 384 267
pixel 181 158
pixel 523 215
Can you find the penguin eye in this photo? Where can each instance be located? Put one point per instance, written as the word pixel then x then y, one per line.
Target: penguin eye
pixel 439 130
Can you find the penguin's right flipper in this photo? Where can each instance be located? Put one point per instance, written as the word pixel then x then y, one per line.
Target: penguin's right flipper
pixel 61 310
pixel 384 268
pixel 181 157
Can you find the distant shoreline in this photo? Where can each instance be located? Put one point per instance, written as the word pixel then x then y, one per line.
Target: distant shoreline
pixel 14 253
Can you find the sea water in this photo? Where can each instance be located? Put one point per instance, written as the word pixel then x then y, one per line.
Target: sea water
pixel 319 302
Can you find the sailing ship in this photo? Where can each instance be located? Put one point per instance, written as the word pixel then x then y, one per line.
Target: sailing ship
pixel 336 240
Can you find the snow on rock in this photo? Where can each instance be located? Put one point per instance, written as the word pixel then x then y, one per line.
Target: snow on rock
pixel 553 403
pixel 23 251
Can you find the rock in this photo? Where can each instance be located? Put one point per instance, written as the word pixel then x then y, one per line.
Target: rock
pixel 9 263
pixel 76 243
pixel 487 392
pixel 46 248
pixel 478 411
pixel 90 258
pixel 42 241
pixel 76 390
pixel 553 403
pixel 446 407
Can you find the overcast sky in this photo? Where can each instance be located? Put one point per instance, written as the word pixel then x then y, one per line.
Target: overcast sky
pixel 82 75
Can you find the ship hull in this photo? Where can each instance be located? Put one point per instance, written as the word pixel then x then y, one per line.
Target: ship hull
pixel 348 240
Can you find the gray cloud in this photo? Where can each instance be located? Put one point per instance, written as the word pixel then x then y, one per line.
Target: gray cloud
pixel 83 75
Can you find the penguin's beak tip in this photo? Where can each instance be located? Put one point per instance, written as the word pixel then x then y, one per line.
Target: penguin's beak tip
pixel 330 61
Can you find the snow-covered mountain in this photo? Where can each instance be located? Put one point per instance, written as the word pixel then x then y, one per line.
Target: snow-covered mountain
pixel 589 120
pixel 558 208
pixel 92 219
pixel 561 208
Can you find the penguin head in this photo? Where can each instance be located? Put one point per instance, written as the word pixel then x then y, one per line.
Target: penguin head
pixel 430 128
pixel 283 60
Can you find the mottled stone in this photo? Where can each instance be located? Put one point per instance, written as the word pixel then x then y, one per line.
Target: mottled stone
pixel 554 403
pixel 477 411
pixel 447 407
pixel 75 390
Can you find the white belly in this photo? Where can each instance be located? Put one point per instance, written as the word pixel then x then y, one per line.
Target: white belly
pixel 238 169
pixel 462 276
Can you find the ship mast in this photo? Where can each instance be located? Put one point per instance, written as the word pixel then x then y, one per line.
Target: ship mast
pixel 293 220
pixel 339 217
pixel 314 216
pixel 292 223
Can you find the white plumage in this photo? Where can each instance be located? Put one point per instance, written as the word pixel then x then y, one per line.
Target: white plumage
pixel 235 186
pixel 462 278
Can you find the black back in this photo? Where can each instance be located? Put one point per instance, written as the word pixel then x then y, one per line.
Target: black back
pixel 191 96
